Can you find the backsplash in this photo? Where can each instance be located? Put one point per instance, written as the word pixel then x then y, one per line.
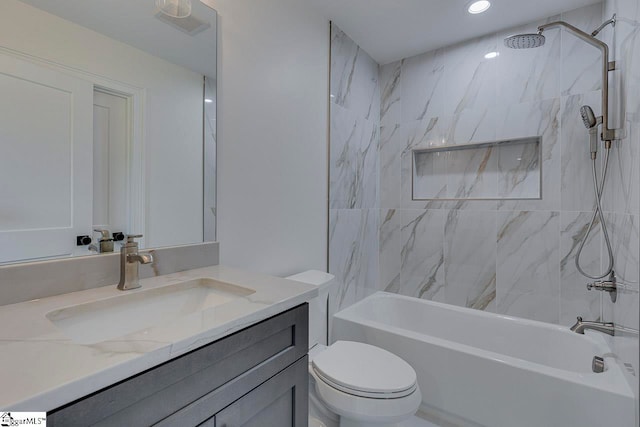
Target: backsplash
pixel 34 280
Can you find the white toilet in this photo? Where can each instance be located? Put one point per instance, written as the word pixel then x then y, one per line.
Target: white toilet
pixel 353 384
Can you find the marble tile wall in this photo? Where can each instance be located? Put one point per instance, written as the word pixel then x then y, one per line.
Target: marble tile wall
pixel 514 257
pixel 210 153
pixel 509 256
pixel 353 170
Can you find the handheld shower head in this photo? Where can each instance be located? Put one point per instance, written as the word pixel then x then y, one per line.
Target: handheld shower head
pixel 524 41
pixel 588 118
pixel 591 122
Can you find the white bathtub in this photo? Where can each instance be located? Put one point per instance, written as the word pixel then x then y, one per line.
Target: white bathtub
pixel 477 368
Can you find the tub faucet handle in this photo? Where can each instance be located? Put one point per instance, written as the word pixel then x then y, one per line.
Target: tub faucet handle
pixel 610 286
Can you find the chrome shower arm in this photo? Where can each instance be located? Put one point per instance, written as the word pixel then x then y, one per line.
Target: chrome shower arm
pixel 607 134
pixel 611 22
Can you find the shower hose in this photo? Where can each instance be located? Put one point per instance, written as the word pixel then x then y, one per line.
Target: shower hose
pixel 597 215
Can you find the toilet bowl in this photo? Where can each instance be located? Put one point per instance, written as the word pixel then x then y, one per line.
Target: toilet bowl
pixel 353 384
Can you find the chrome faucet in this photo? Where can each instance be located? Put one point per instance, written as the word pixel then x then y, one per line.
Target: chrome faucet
pixel 604 327
pixel 129 263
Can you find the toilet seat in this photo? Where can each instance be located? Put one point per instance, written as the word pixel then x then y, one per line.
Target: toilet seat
pixel 365 371
pixel 365 409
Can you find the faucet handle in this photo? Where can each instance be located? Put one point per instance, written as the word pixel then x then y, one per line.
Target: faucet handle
pixel 131 237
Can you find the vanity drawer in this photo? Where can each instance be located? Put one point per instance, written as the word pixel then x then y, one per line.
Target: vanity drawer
pixel 149 397
pixel 281 401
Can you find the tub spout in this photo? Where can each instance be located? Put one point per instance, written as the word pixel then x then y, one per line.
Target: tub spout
pixel 604 327
pixel 581 326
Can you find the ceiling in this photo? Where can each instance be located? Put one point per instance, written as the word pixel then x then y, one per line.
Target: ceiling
pixel 393 29
pixel 133 22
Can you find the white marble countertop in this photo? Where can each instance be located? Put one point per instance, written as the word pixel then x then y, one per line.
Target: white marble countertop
pixel 42 369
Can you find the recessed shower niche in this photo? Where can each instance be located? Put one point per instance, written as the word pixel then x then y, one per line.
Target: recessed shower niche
pixel 503 170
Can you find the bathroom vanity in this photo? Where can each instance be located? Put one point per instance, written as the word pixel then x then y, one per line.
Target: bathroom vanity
pixel 260 371
pixel 233 351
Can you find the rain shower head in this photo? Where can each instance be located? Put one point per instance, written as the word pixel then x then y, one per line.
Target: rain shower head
pixel 588 118
pixel 524 41
pixel 528 41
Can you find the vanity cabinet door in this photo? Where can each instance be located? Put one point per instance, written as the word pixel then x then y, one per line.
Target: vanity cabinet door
pixel 280 402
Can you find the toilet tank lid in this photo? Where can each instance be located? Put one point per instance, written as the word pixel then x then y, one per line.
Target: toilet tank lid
pixel 314 277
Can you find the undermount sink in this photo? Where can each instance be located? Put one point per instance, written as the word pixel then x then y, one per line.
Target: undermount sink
pixel 102 320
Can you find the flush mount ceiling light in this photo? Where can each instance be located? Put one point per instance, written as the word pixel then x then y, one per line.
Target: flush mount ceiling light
pixel 478 6
pixel 491 55
pixel 175 8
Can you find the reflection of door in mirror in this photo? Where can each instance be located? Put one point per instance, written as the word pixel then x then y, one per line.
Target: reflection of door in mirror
pixel 102 126
pixel 110 142
pixel 45 163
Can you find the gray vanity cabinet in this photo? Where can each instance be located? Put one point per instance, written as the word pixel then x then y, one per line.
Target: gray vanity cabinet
pixel 279 402
pixel 255 377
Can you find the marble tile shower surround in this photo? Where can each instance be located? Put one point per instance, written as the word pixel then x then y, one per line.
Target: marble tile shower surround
pixel 353 170
pixel 519 94
pixel 210 138
pixel 35 280
pixel 507 256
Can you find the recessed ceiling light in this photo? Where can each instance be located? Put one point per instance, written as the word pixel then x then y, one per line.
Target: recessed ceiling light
pixel 207 100
pixel 479 6
pixel 491 55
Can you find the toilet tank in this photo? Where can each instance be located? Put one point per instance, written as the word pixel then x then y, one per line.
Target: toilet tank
pixel 318 306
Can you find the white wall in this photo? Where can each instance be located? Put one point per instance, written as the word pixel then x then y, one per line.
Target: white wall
pixel 173 111
pixel 272 122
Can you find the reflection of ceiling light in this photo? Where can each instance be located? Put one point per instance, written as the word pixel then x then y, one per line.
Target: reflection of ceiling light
pixel 479 6
pixel 207 100
pixel 492 55
pixel 175 8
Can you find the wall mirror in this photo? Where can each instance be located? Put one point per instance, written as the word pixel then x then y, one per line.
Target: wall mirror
pixel 107 122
